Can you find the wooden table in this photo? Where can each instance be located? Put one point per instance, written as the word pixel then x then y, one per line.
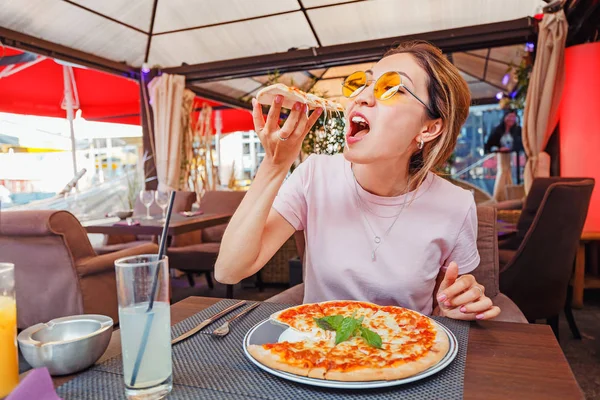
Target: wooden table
pixel 580 281
pixel 504 360
pixel 179 224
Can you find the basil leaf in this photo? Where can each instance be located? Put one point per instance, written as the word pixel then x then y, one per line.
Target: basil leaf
pixel 346 329
pixel 321 323
pixel 372 338
pixel 330 323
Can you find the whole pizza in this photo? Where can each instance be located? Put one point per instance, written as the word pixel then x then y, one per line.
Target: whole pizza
pixel 353 341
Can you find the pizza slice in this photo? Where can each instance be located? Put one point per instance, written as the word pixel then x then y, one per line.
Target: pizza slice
pixel 291 95
pixel 347 308
pixel 306 357
pixel 302 319
pixel 354 360
pixel 396 324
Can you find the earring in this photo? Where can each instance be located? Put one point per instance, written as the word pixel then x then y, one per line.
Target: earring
pixel 421 144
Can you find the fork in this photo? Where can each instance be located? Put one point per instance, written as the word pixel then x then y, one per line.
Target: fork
pixel 224 329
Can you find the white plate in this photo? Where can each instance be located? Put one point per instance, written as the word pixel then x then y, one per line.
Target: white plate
pixel 267 332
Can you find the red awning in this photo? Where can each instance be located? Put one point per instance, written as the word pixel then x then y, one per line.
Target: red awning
pixel 38 90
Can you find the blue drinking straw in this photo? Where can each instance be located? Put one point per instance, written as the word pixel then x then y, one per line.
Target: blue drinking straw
pixel 161 253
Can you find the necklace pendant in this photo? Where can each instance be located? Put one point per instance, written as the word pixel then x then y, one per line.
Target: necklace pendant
pixel 377 239
pixel 373 255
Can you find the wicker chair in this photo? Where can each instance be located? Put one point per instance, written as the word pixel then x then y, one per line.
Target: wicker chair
pixel 276 270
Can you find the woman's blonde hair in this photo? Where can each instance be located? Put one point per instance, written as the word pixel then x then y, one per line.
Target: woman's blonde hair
pixel 449 99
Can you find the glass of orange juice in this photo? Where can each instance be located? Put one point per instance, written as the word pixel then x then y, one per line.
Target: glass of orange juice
pixel 9 358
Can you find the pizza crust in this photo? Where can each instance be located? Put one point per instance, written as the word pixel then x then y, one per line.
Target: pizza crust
pixel 272 360
pixel 359 375
pixel 441 346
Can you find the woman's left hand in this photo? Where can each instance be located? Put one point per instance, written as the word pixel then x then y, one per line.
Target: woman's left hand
pixel 461 297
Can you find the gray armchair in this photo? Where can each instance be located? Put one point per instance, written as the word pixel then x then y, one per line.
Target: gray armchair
pixel 57 273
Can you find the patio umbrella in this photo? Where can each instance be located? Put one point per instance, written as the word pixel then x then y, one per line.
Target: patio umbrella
pixel 35 85
pixel 171 102
pixel 543 94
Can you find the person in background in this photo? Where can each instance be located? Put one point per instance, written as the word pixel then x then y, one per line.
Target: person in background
pixel 506 136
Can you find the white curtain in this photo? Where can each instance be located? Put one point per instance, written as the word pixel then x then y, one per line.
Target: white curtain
pixel 543 95
pixel 169 100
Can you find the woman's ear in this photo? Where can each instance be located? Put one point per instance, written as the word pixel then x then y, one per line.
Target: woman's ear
pixel 431 130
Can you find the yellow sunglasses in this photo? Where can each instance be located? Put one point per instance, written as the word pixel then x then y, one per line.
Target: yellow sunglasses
pixel 386 86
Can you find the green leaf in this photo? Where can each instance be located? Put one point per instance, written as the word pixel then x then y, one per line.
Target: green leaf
pixel 346 329
pixel 372 338
pixel 330 323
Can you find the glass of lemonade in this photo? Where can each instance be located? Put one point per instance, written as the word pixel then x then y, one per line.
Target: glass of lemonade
pixel 9 357
pixel 145 334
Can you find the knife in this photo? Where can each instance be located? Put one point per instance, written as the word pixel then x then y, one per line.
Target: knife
pixel 206 322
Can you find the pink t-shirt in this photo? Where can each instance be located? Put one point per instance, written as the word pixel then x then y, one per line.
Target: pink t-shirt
pixel 436 226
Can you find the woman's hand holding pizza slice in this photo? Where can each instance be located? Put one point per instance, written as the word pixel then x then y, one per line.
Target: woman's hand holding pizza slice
pixel 282 144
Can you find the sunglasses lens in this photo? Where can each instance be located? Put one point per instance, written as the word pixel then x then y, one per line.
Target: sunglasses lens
pixel 354 84
pixel 387 85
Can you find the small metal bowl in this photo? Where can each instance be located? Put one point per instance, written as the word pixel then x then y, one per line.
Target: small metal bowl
pixel 66 345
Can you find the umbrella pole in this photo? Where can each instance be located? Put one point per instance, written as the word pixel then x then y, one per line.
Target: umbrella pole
pixel 68 93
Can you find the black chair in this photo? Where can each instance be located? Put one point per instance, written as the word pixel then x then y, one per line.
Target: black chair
pixel 537 275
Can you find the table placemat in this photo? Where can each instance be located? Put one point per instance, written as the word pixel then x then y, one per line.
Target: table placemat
pixel 207 367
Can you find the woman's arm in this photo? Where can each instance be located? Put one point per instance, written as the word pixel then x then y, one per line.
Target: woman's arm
pixel 256 231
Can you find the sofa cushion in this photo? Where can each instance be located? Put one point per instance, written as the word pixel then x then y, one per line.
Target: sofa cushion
pixel 487 244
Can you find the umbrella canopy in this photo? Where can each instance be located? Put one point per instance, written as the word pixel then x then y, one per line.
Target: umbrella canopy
pixel 38 89
pixel 170 33
pixel 229 49
pixel 30 84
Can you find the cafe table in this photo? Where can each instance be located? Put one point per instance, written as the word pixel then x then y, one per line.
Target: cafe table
pixel 178 224
pixel 504 360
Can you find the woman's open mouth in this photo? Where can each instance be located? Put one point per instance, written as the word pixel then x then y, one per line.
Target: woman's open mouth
pixel 359 128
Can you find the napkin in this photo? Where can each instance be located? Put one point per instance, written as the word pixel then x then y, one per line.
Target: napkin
pixel 191 213
pixel 127 223
pixel 36 385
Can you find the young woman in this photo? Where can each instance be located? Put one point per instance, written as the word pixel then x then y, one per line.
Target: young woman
pixel 380 226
